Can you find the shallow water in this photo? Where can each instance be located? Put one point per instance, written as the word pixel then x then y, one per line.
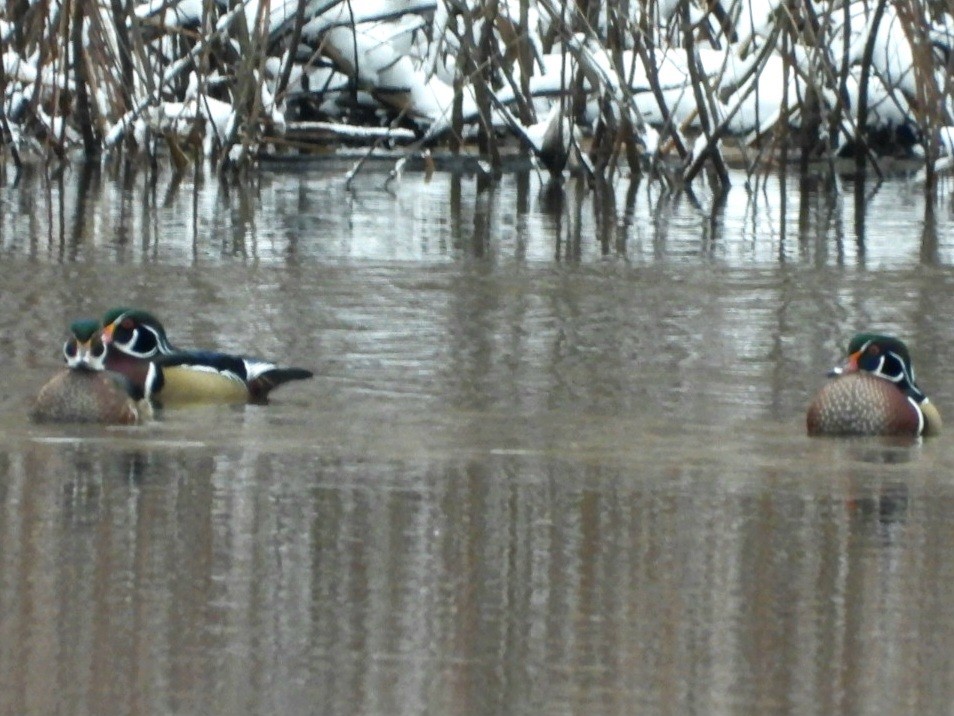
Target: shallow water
pixel 553 458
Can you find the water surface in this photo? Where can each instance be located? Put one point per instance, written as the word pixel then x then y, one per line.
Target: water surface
pixel 552 461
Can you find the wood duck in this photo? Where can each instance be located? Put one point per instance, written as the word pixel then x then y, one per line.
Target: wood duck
pixel 139 349
pixel 873 393
pixel 85 392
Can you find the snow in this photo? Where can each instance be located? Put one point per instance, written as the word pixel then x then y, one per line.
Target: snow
pixel 384 68
pixel 16 68
pixel 399 58
pixel 184 13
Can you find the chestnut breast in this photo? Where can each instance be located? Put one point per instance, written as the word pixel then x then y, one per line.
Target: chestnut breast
pixel 862 404
pixel 80 396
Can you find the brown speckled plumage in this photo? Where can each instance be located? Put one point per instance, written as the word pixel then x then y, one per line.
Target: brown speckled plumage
pixel 85 396
pixel 862 404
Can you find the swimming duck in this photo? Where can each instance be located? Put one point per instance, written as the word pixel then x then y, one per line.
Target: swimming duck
pixel 873 393
pixel 85 392
pixel 139 349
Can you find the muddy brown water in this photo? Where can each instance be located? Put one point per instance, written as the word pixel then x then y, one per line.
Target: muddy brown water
pixel 552 460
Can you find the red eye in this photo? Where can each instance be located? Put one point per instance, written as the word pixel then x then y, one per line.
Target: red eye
pixel 874 350
pixel 128 324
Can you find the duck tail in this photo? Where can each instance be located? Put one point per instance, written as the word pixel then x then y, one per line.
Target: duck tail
pixel 261 385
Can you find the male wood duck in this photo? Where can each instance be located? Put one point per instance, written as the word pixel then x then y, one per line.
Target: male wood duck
pixel 85 392
pixel 139 349
pixel 873 393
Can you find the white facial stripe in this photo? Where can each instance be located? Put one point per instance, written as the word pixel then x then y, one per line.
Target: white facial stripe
pixel 880 366
pixel 893 378
pixel 161 344
pixel 906 374
pixel 917 409
pixel 132 339
pixel 126 344
pixel 129 346
pixel 904 368
pixel 87 358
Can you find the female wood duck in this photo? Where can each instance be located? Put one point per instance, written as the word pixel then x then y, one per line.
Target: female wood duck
pixel 139 349
pixel 85 392
pixel 873 393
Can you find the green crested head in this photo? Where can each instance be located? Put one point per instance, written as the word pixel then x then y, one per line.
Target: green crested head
pixel 136 314
pixel 135 332
pixel 882 343
pixel 83 329
pixel 134 317
pixel 84 349
pixel 113 313
pixel 886 357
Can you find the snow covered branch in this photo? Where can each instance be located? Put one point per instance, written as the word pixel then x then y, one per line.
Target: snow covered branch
pixel 571 84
